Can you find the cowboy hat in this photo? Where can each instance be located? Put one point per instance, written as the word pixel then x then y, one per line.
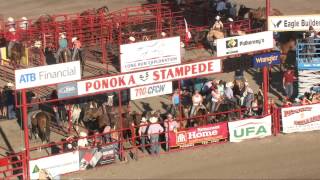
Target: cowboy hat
pixel 24 18
pixel 9 84
pixel 83 134
pixel 230 19
pixel 12 29
pixel 217 18
pixel 131 38
pixel 73 39
pixel 10 19
pixel 163 34
pixel 143 119
pixel 153 119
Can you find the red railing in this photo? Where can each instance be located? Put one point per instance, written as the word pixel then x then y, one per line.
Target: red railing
pixel 12 166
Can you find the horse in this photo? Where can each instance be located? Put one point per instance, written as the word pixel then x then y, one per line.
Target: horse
pixel 198 121
pixel 212 36
pixel 41 126
pixel 17 52
pixel 225 106
pixel 95 120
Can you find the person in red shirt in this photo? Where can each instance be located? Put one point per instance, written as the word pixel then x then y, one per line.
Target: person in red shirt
pixel 13 37
pixel 287 80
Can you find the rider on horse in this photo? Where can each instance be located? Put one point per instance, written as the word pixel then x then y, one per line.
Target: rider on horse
pixel 197 100
pixel 63 46
pixel 218 25
pixel 13 38
pixel 76 48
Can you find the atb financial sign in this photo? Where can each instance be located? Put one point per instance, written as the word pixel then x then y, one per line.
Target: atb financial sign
pixel 45 75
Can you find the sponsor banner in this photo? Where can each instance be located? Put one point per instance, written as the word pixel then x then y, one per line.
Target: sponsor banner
pixel 67 89
pixel 244 44
pixel 150 54
pixel 249 128
pixel 45 75
pixel 301 118
pixel 90 158
pixel 267 59
pixel 55 165
pixel 293 23
pixel 192 136
pixel 149 77
pixel 150 90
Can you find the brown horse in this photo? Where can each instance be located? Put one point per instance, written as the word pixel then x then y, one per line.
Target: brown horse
pixel 95 120
pixel 41 126
pixel 17 52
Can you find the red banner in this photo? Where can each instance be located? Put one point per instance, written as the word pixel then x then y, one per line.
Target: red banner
pixel 192 136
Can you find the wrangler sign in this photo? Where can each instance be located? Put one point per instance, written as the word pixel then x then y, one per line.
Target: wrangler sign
pixel 159 75
pixel 249 128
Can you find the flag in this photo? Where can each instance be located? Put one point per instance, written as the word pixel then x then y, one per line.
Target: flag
pixel 188 34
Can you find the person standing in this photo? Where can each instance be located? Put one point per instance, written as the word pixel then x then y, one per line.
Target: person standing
pixel 287 81
pixel 154 130
pixel 170 125
pixel 143 133
pixel 63 46
pixel 76 49
pixel 175 102
pixel 10 101
pixel 13 38
pixel 197 100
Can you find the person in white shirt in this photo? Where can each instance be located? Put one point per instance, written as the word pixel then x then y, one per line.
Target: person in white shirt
pixel 154 130
pixel 197 100
pixel 218 25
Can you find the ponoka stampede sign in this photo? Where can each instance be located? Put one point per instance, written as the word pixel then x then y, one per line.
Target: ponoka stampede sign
pixel 244 44
pixel 150 90
pixel 129 80
pixel 249 128
pixel 146 54
pixel 293 23
pixel 301 118
pixel 45 75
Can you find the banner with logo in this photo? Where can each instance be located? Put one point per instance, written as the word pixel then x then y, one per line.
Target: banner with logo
pixel 150 90
pixel 45 75
pixel 267 59
pixel 55 165
pixel 203 134
pixel 94 157
pixel 245 43
pixel 249 128
pixel 294 22
pixel 301 118
pixel 124 81
pixel 309 80
pixel 150 54
pixel 67 89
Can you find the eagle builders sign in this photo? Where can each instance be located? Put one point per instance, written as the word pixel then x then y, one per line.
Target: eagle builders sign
pixel 153 76
pixel 202 134
pixel 294 22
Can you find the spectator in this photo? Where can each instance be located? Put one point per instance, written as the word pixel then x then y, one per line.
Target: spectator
pixel 197 100
pixel 249 97
pixel 11 23
pixel 13 38
pixel 24 23
pixel 260 99
pixel 143 133
pixel 228 93
pixel 175 101
pixel 10 101
pixel 221 7
pixel 170 125
pixel 218 25
pixel 55 105
pixel 287 80
pixel 233 11
pixel 83 142
pixel 153 132
pixel 1 103
pixel 76 49
pixel 63 46
pixel 48 52
pixel 215 99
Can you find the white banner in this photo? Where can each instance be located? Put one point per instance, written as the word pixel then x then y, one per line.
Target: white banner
pixel 301 118
pixel 55 165
pixel 244 44
pixel 45 75
pixel 150 54
pixel 123 81
pixel 150 90
pixel 308 81
pixel 249 128
pixel 293 23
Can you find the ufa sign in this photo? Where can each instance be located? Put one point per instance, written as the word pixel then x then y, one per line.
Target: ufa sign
pixel 249 128
pixel 150 90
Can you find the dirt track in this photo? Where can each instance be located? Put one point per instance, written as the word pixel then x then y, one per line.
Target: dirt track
pixel 285 156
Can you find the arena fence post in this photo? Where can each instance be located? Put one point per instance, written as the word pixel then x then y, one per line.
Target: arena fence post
pixel 265 71
pixel 26 133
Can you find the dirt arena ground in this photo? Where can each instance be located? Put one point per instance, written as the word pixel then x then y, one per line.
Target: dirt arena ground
pixel 286 156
